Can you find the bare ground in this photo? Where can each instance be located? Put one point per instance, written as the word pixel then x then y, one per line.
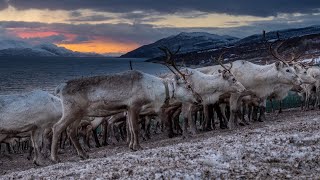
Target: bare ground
pixel 285 147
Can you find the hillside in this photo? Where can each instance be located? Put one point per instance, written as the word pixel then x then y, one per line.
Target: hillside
pixel 188 41
pixel 253 49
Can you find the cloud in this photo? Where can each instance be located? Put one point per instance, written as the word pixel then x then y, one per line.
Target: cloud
pixel 249 7
pixel 90 18
pixel 49 39
pixel 3 4
pixel 137 33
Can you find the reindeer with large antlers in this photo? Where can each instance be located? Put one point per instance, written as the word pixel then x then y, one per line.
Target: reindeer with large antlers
pixel 209 87
pixel 132 91
pixel 260 80
pixel 282 90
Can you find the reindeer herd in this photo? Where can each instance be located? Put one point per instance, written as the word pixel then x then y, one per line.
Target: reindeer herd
pixel 132 101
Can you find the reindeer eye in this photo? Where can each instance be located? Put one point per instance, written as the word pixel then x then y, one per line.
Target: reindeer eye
pixel 305 72
pixel 287 70
pixel 234 80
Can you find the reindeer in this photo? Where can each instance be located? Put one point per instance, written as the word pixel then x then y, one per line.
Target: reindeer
pixel 310 89
pixel 260 80
pixel 209 87
pixel 132 91
pixel 282 90
pixel 29 112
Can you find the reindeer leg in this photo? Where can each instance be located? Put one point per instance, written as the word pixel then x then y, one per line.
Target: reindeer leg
pixel 36 139
pixel 280 107
pixel 206 126
pixel 95 137
pixel 148 127
pixel 192 123
pixel 262 116
pixel 250 112
pixel 75 141
pixel 60 126
pixel 105 134
pixel 133 116
pixel 255 113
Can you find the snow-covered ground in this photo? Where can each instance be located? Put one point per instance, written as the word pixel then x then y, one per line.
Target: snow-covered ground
pixel 287 146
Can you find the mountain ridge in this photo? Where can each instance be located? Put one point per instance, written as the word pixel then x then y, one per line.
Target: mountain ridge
pixel 188 41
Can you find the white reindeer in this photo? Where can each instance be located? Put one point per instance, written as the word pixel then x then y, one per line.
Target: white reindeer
pixel 132 91
pixel 33 111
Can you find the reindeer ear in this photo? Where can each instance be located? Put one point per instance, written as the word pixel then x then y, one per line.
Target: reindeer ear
pixel 278 65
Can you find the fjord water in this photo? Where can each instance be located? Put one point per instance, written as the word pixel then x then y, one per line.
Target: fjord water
pixel 22 74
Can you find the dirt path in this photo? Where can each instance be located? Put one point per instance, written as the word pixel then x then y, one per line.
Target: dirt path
pixel 286 146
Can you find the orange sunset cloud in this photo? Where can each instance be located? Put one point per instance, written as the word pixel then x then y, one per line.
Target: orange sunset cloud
pixel 101 47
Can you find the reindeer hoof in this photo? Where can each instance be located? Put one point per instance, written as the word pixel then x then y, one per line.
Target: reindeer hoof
pixel 137 147
pixel 55 160
pixel 36 163
pixel 84 156
pixel 241 124
pixel 223 127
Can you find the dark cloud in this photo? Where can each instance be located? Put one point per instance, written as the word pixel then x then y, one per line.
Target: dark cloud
pixel 3 4
pixel 75 14
pixel 82 38
pixel 49 39
pixel 247 7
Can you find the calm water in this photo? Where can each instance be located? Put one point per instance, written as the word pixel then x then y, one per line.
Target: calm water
pixel 28 73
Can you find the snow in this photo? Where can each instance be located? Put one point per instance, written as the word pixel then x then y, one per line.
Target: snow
pixel 277 150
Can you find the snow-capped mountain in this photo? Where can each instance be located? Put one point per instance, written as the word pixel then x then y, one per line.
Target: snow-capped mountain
pixel 13 43
pixel 15 47
pixel 187 41
pixel 284 34
pixel 253 48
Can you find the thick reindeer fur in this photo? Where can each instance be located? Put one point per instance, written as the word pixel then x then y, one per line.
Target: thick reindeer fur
pixel 281 90
pixel 131 91
pixel 34 111
pixel 314 72
pixel 210 87
pixel 260 80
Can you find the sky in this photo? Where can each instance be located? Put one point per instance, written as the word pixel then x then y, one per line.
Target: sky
pixel 117 26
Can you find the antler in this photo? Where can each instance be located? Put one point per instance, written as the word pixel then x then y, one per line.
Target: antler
pixel 219 60
pixel 274 51
pixel 169 60
pixel 168 57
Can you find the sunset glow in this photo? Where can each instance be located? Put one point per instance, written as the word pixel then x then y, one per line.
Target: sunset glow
pixel 101 47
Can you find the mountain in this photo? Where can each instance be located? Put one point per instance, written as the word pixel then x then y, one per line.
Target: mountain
pixel 188 41
pixel 14 47
pixel 24 52
pixel 252 48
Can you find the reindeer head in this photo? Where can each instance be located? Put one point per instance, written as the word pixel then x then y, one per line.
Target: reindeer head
pixel 302 71
pixel 285 73
pixel 182 81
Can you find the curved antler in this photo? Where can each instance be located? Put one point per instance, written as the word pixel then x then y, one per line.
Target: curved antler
pixel 274 51
pixel 170 60
pixel 219 60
